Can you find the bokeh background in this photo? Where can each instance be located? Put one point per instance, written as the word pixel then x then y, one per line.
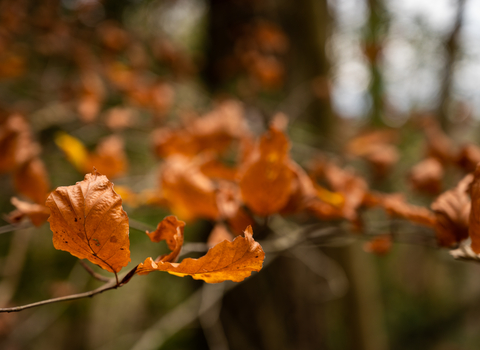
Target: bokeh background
pixel 92 69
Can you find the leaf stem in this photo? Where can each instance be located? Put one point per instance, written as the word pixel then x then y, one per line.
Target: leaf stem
pixel 93 273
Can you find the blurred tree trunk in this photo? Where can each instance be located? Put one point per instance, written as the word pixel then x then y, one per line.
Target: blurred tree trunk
pixel 308 25
pixel 451 47
pixel 375 33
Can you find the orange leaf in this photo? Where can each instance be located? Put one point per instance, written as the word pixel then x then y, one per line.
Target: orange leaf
pixel 88 221
pixel 31 180
pixel 266 180
pixel 169 229
pixel 189 193
pixel 38 214
pixel 452 211
pixel 227 261
pixel 109 157
pixel 427 176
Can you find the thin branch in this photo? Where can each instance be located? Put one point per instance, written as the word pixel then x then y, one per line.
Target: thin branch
pixel 112 284
pixel 105 287
pixel 15 227
pixel 93 273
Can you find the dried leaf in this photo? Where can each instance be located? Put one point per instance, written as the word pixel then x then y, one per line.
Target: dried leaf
pixel 88 221
pixel 227 261
pixel 395 205
pixel 16 143
pixel 468 157
pixel 188 192
pixel 31 180
pixel 266 179
pixel 439 145
pixel 452 211
pixel 109 157
pixel 170 230
pixel 427 176
pixel 352 187
pixel 474 220
pixel 38 214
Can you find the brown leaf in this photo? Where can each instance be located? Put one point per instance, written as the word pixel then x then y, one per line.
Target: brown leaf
pixel 452 211
pixel 352 187
pixel 31 180
pixel 38 214
pixel 88 221
pixel 188 192
pixel 474 220
pixel 227 261
pixel 170 230
pixel 439 145
pixel 109 157
pixel 16 143
pixel 468 157
pixel 266 179
pixel 427 176
pixel 395 205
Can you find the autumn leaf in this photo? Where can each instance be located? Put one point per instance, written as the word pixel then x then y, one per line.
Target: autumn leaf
pixel 16 143
pixel 396 205
pixel 468 157
pixel 266 178
pixel 37 213
pixel 452 211
pixel 188 192
pixel 227 261
pixel 427 176
pixel 88 221
pixel 31 180
pixel 170 230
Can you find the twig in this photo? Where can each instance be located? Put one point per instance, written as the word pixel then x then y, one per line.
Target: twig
pixel 14 227
pixel 112 284
pixel 93 273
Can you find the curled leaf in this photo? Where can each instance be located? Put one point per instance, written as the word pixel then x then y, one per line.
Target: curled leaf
pixel 37 213
pixel 170 230
pixel 227 261
pixel 452 211
pixel 88 221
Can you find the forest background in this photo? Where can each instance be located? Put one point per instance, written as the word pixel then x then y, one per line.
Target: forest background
pixel 382 91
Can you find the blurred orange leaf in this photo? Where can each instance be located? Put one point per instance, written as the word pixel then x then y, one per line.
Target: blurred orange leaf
pixel 227 261
pixel 266 178
pixel 38 214
pixel 452 211
pixel 88 221
pixel 31 180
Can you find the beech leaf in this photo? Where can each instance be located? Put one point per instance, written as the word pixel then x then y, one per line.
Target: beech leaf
pixel 170 230
pixel 88 221
pixel 227 261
